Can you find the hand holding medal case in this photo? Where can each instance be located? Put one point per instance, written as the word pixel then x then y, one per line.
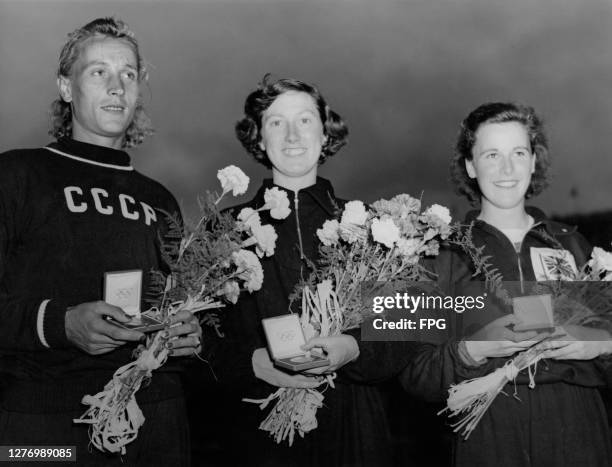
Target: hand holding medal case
pixel 535 313
pixel 123 289
pixel 285 338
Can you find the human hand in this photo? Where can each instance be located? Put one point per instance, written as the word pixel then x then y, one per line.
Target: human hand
pixel 339 350
pixel 496 339
pixel 580 343
pixel 89 330
pixel 184 334
pixel 264 370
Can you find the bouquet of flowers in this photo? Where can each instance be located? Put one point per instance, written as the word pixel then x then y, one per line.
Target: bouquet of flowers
pixel 359 252
pixel 209 263
pixel 580 297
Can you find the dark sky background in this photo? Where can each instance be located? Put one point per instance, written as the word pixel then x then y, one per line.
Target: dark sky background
pixel 403 74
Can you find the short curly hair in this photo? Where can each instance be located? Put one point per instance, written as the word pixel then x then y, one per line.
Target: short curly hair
pixel 499 112
pixel 248 128
pixel 61 111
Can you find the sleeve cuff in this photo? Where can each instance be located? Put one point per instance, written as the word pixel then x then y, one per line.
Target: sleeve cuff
pixel 355 334
pixel 52 333
pixel 39 323
pixel 466 358
pixel 355 364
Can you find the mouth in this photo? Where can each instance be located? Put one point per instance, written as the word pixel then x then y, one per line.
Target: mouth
pixel 114 108
pixel 293 152
pixel 506 183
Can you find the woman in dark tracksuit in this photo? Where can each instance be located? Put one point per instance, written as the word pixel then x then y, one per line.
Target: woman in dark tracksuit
pixel 290 129
pixel 501 159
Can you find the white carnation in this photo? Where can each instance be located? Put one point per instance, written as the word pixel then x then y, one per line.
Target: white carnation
pixel 233 179
pixel 351 233
pixel 328 234
pixel 440 212
pixel 249 218
pixel 601 260
pixel 429 234
pixel 266 239
pixel 408 247
pixel 354 213
pixel 385 231
pixel 277 202
pixel 249 269
pixel 231 291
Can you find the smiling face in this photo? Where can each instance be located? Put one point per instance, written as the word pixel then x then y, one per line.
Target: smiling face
pixel 502 164
pixel 292 136
pixel 103 90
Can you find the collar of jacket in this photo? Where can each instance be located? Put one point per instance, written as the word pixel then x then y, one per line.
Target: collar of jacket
pixel 92 152
pixel 321 193
pixel 541 223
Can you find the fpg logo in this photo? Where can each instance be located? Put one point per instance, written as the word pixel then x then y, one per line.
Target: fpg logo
pixel 431 323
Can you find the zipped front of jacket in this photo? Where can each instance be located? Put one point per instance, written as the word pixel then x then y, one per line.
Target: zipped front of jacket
pixel 504 258
pixel 506 244
pixel 320 194
pixel 296 200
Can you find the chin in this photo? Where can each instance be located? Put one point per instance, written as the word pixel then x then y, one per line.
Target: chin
pixel 115 122
pixel 115 130
pixel 506 200
pixel 509 204
pixel 298 171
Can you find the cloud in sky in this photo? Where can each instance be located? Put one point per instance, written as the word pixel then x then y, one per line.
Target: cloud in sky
pixel 402 74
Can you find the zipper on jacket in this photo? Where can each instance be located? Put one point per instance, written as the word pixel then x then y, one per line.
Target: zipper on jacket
pixel 521 279
pixel 297 224
pixel 518 255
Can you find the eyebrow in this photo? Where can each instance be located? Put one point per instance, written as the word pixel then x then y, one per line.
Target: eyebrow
pixel 101 62
pixel 514 149
pixel 279 115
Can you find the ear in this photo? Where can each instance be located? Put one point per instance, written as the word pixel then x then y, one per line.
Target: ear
pixel 469 166
pixel 65 88
pixel 533 162
pixel 261 145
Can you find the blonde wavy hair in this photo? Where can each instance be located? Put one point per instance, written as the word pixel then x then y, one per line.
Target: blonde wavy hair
pixel 61 111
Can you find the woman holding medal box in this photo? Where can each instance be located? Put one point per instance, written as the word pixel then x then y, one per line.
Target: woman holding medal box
pixel 289 128
pixel 501 159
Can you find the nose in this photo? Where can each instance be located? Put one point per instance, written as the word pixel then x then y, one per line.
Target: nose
pixel 292 133
pixel 507 165
pixel 115 86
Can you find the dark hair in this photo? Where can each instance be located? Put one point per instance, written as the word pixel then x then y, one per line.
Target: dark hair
pixel 248 128
pixel 61 111
pixel 499 112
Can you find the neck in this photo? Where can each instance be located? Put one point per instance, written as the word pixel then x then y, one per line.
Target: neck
pixel 294 183
pixel 112 142
pixel 511 218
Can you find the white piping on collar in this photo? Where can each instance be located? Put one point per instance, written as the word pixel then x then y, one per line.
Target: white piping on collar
pixel 88 161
